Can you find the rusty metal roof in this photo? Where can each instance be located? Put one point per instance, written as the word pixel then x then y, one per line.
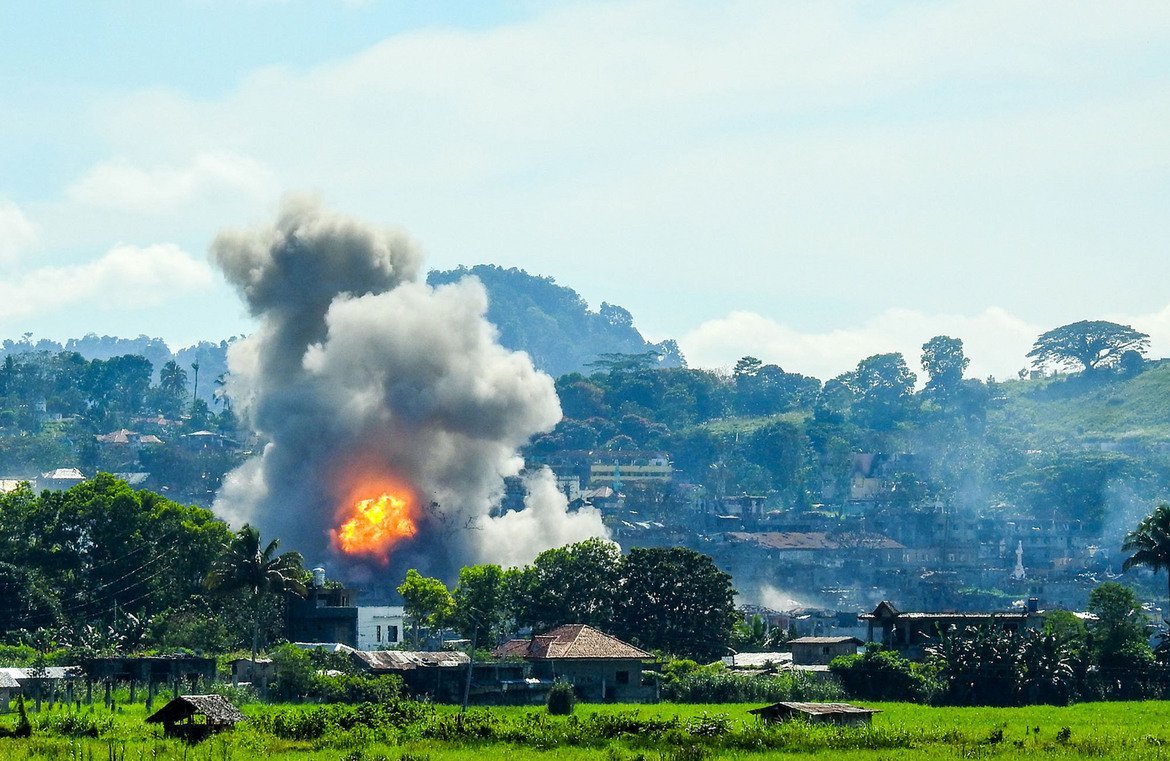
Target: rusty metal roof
pixel 216 708
pixel 407 660
pixel 816 709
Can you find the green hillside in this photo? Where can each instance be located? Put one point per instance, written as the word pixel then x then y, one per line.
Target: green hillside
pixel 1102 407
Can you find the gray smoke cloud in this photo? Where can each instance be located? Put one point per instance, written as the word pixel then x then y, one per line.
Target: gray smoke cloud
pixel 362 379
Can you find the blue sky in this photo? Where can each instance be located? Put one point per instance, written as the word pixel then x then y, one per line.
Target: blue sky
pixel 809 183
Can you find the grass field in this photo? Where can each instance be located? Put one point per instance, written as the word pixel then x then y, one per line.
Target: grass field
pixel 665 731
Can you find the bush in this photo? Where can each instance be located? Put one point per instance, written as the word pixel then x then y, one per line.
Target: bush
pixel 879 674
pixel 356 688
pixel 561 699
pixel 715 684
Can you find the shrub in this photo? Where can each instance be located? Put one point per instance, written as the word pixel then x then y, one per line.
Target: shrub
pixel 715 684
pixel 561 699
pixel 879 674
pixel 356 688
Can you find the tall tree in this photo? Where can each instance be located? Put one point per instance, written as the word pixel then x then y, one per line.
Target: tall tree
pixel 258 570
pixel 1089 344
pixel 427 601
pixel 944 362
pixel 1150 543
pixel 575 584
pixel 882 389
pixel 1118 633
pixel 677 600
pixel 481 602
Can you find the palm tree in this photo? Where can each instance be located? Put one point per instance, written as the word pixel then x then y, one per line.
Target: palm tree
pixel 245 565
pixel 1150 543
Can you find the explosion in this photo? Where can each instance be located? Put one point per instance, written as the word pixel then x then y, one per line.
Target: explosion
pixel 380 397
pixel 376 525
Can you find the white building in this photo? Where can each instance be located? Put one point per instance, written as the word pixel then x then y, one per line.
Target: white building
pixel 380 626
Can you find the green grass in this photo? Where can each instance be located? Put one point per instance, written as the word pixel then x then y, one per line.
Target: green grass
pixel 903 731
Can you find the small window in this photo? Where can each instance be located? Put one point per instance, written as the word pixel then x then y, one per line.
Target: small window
pixel 623 677
pixel 391 633
pixel 379 634
pixel 825 650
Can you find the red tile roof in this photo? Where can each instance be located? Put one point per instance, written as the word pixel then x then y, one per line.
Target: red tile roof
pixel 572 641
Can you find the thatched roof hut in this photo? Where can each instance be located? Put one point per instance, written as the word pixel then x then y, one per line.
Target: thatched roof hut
pixel 194 717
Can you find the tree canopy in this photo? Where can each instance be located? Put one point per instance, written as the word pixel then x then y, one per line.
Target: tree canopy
pixel 1087 344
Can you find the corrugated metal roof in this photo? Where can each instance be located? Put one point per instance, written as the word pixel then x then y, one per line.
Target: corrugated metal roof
pixel 406 660
pixel 817 709
pixel 824 640
pixel 216 708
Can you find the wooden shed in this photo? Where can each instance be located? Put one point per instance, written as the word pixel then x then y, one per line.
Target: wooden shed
pixel 817 713
pixel 195 717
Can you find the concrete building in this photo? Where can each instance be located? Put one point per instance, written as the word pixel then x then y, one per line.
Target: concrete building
pixel 380 626
pixel 820 651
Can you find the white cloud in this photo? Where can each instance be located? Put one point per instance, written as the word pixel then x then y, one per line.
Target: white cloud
pixel 119 185
pixel 827 160
pixel 127 278
pixel 17 232
pixel 995 341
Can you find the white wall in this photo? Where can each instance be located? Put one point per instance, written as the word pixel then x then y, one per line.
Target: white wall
pixel 383 620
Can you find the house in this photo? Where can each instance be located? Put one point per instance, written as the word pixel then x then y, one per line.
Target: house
pixel 196 717
pixel 258 673
pixel 328 613
pixel 904 631
pixel 817 713
pixel 820 651
pixel 440 675
pixel 323 615
pixel 124 437
pixel 380 626
pixel 602 668
pixel 60 479
pixel 8 687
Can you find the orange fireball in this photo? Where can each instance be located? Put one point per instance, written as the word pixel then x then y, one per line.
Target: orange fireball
pixel 375 526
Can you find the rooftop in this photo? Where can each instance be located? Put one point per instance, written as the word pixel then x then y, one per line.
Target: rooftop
pixel 572 641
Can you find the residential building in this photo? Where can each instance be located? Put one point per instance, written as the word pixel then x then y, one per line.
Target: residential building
pixel 601 668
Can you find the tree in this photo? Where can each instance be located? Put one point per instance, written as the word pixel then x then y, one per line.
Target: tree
pixel 882 389
pixel 1088 343
pixel 574 584
pixel 427 601
pixel 1150 543
pixel 1118 633
pixel 944 362
pixel 481 602
pixel 245 565
pixel 677 600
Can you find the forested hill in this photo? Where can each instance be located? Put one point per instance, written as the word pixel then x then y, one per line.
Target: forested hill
pixel 533 314
pixel 553 323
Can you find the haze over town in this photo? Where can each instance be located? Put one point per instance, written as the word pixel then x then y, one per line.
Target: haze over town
pixel 806 184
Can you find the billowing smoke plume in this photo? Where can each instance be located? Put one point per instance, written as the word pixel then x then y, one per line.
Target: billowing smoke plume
pixel 363 380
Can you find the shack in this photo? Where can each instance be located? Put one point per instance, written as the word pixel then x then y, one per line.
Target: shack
pixel 196 717
pixel 820 651
pixel 817 713
pixel 437 674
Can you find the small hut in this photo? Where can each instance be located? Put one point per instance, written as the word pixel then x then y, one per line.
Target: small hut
pixel 817 713
pixel 196 717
